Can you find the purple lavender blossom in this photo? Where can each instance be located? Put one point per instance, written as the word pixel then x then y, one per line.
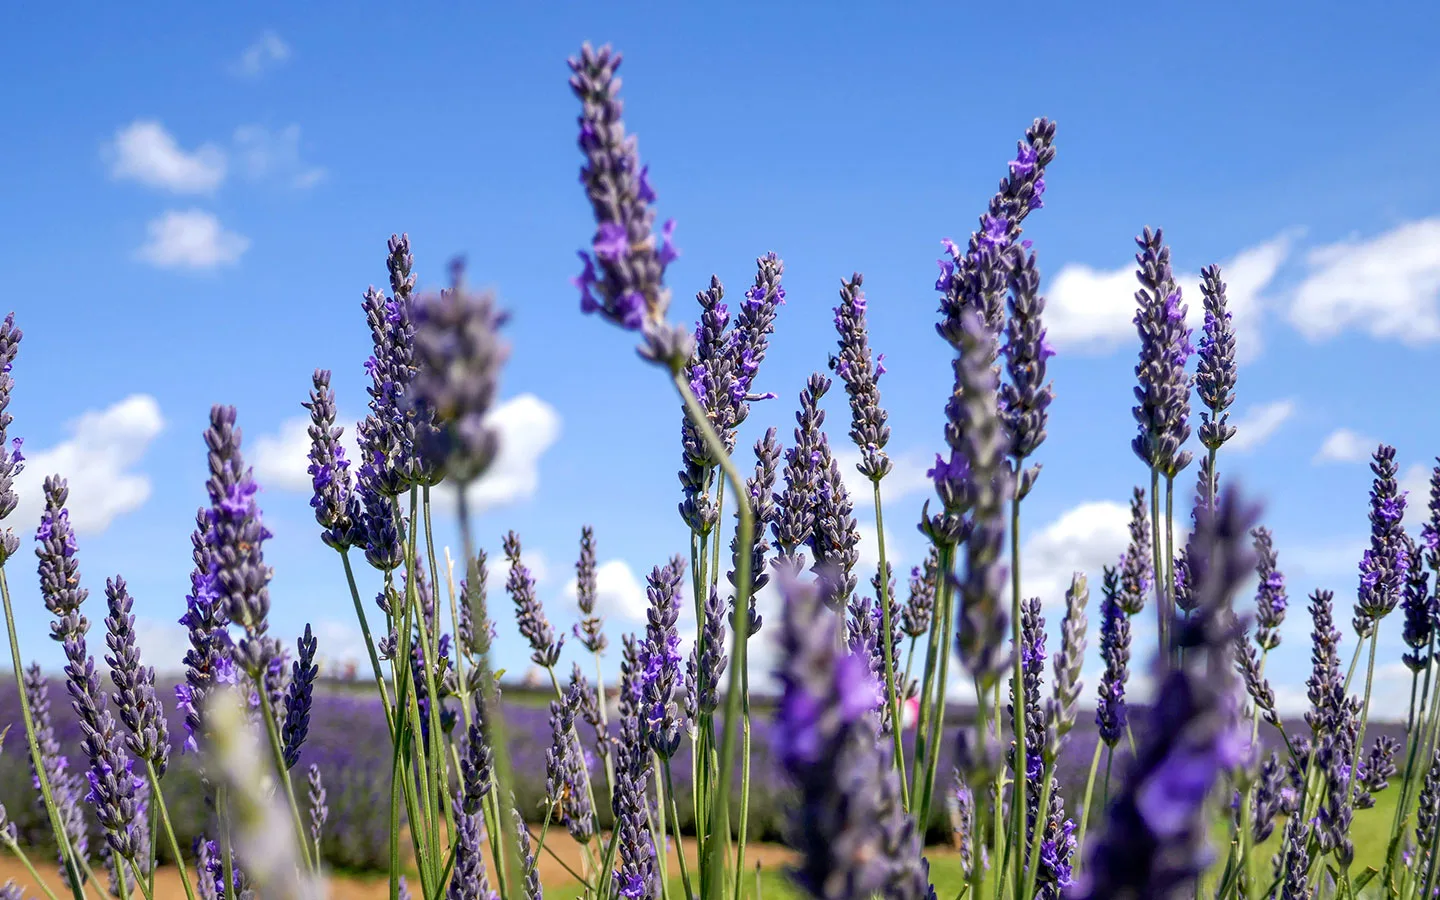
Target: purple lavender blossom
pixel 467 881
pixel 1136 568
pixel 636 877
pixel 529 614
pixel 567 787
pixel 1324 686
pixel 1420 609
pixel 1385 564
pixel 134 696
pixel 660 660
pixel 1060 709
pixel 835 539
pixel 706 666
pixel 975 415
pixel 319 809
pixel 1270 597
pixel 11 460
pixel 590 630
pixel 1110 709
pixel 1215 374
pixel 236 537
pixel 458 357
pixel 920 604
pixel 337 508
pixel 854 837
pixel 209 659
pixel 861 375
pixel 298 698
pixel 1163 392
pixel 795 517
pixel 65 784
pixel 623 276
pixel 1025 398
pixel 760 489
pixel 1154 843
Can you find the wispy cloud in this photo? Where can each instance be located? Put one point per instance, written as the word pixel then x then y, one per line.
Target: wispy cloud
pixel 1090 310
pixel 1387 286
pixel 97 460
pixel 266 53
pixel 266 154
pixel 1259 424
pixel 191 239
pixel 1345 446
pixel 144 151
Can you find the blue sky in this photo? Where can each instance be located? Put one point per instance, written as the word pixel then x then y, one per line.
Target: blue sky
pixel 198 199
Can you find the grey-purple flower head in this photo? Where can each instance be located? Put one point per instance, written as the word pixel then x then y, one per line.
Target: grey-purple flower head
pixel 1384 565
pixel 236 536
pixel 861 374
pixel 1215 374
pixel 623 274
pixel 1270 597
pixel 11 459
pixel 458 357
pixel 1163 391
pixel 337 508
pixel 59 569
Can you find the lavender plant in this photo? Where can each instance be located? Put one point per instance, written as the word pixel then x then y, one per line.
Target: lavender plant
pixel 861 797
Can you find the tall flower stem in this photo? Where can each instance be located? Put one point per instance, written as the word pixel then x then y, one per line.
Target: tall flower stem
pixel 278 750
pixel 744 785
pixel 1018 808
pixel 946 614
pixel 1169 555
pixel 714 577
pixel 159 800
pixel 1163 613
pixel 227 854
pixel 714 866
pixel 1086 803
pixel 385 701
pixel 675 820
pixel 933 648
pixel 62 840
pixel 30 867
pixel 437 769
pixel 500 751
pixel 892 694
pixel 1047 787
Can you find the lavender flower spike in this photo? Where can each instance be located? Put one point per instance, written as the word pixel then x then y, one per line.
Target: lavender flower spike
pixel 134 696
pixel 854 838
pixel 65 785
pixel 1154 843
pixel 319 809
pixel 1385 564
pixel 1025 398
pixel 590 630
pixel 529 614
pixel 1270 598
pixel 660 660
pixel 337 508
pixel 11 460
pixel 795 516
pixel 458 356
pixel 1215 375
pixel 1110 710
pixel 983 619
pixel 1421 610
pixel 236 537
pixel 623 275
pixel 1163 392
pixel 861 375
pixel 1060 714
pixel 298 697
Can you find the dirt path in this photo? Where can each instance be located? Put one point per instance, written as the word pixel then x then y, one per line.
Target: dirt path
pixel 553 871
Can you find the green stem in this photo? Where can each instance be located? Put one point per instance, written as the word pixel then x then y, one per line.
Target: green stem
pixel 227 855
pixel 1042 813
pixel 369 642
pixel 892 694
pixel 927 689
pixel 1085 805
pixel 675 820
pixel 1017 809
pixel 1162 609
pixel 745 787
pixel 745 538
pixel 62 839
pixel 278 750
pixel 438 773
pixel 158 802
pixel 30 867
pixel 1170 552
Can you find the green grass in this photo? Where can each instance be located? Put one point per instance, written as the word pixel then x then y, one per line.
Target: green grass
pixel 1370 833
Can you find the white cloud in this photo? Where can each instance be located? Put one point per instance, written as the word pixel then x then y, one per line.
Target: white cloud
pixel 1084 539
pixel 191 239
pixel 618 593
pixel 528 427
pixel 1090 310
pixel 282 460
pixel 144 151
pixel 96 460
pixel 1259 423
pixel 267 154
pixel 1416 480
pixel 267 52
pixel 906 479
pixel 1387 286
pixel 1345 446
